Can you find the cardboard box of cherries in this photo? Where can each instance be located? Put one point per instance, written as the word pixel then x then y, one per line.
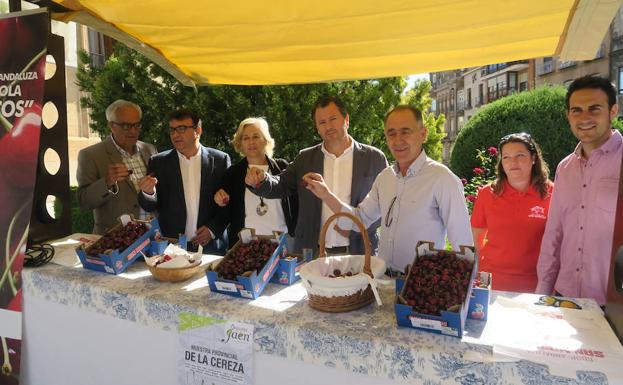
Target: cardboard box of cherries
pixel 248 265
pixel 436 291
pixel 119 247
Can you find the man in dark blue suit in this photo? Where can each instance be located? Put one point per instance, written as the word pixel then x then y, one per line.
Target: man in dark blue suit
pixel 180 185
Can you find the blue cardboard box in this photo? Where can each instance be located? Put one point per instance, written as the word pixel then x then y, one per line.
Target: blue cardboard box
pixel 250 285
pixel 117 261
pixel 159 244
pixel 451 323
pixel 479 301
pixel 288 268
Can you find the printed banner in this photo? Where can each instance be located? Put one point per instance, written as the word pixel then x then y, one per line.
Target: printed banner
pixel 214 351
pixel 23 37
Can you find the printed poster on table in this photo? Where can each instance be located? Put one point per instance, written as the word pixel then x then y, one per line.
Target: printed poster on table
pixel 23 39
pixel 214 351
pixel 566 340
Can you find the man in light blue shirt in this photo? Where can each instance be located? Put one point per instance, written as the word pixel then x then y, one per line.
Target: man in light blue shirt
pixel 416 198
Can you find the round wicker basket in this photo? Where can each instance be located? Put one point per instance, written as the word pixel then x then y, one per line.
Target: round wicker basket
pixel 175 274
pixel 341 294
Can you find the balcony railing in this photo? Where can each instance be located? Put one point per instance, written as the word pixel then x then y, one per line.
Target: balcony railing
pixel 97 59
pixel 462 106
pixel 499 93
pixel 567 64
pixel 491 68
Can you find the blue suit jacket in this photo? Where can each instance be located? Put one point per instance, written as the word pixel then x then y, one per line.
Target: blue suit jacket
pixel 171 205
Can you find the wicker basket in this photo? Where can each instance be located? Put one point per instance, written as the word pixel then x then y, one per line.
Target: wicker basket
pixel 176 274
pixel 336 295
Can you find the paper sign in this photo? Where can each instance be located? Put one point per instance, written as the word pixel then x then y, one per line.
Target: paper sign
pixel 426 323
pixel 566 340
pixel 226 286
pixel 246 235
pixel 125 219
pixel 214 351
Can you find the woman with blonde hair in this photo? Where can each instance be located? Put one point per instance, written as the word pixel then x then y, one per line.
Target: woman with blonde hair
pixel 243 208
pixel 508 220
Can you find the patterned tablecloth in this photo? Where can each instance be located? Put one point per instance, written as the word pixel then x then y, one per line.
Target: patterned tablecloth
pixel 365 341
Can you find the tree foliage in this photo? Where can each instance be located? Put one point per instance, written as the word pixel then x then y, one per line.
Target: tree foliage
pixel 419 97
pixel 129 75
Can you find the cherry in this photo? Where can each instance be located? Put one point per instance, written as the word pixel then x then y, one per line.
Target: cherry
pixel 437 282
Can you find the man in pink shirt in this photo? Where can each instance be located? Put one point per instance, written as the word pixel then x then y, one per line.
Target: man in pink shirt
pixel 575 252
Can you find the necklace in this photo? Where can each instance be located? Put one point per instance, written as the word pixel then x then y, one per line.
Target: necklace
pixel 262 208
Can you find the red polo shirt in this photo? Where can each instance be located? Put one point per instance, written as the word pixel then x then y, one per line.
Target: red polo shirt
pixel 514 222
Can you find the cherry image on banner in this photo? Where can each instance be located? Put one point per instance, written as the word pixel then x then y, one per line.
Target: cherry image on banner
pixel 23 39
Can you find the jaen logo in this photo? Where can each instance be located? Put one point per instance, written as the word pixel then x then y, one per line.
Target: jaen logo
pixel 236 334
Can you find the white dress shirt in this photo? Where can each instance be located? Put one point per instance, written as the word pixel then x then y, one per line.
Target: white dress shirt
pixel 191 180
pixel 428 203
pixel 191 184
pixel 269 222
pixel 338 175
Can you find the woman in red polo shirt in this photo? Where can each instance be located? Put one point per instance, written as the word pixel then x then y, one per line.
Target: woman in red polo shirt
pixel 509 215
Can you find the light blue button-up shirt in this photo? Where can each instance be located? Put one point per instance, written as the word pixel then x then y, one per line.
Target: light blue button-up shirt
pixel 425 205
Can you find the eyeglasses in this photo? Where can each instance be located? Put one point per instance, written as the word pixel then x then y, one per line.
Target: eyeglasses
pixel 128 126
pixel 180 129
pixel 388 217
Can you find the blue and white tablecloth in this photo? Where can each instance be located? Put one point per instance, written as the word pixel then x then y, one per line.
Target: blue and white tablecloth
pixel 365 341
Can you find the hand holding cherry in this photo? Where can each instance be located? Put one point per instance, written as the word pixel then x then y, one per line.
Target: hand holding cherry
pixel 148 183
pixel 255 176
pixel 115 173
pixel 221 198
pixel 316 184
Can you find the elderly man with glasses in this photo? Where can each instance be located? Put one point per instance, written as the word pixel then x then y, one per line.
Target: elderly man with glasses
pixel 417 198
pixel 180 185
pixel 109 171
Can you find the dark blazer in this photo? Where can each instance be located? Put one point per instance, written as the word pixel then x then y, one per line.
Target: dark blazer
pixel 171 205
pixel 93 194
pixel 368 162
pixel 233 184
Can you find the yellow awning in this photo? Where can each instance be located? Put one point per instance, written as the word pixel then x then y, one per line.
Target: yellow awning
pixel 303 41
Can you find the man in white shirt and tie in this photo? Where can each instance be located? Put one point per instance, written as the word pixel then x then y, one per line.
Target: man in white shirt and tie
pixel 416 198
pixel 181 182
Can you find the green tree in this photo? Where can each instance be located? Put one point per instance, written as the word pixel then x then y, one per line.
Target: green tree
pixel 540 112
pixel 129 75
pixel 419 97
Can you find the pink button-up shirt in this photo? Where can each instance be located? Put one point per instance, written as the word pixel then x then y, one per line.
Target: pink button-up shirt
pixel 577 244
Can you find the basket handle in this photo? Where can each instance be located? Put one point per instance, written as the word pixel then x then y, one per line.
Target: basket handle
pixel 364 234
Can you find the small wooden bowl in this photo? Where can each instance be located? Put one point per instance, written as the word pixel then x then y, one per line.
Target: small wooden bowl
pixel 175 274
